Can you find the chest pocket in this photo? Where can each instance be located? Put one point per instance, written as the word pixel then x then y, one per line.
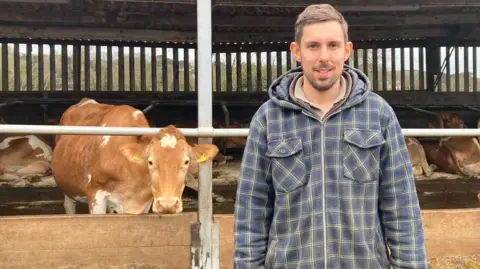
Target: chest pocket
pixel 288 167
pixel 361 154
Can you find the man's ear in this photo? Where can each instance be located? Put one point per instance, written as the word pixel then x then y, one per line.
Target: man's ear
pixel 348 50
pixel 134 152
pixel 295 50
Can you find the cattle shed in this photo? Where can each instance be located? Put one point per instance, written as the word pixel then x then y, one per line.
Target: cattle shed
pixel 143 53
pixel 421 56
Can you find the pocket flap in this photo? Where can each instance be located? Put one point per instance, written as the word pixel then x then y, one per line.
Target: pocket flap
pixel 284 148
pixel 364 138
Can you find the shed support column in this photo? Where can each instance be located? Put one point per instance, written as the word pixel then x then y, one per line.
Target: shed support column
pixel 204 256
pixel 433 66
pixel 77 64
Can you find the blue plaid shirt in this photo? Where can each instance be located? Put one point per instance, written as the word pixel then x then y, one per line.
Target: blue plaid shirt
pixel 331 193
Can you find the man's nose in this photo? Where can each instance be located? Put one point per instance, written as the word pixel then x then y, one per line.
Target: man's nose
pixel 323 54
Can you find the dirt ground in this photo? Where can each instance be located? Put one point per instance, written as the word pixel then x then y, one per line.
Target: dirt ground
pixel 472 262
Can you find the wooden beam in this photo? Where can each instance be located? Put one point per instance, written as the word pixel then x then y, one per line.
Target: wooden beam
pixel 13 31
pixel 294 3
pixel 354 21
pixel 428 98
pixel 149 20
pixel 94 241
pixel 448 185
pixel 433 66
pixel 451 232
pixel 39 1
pixel 354 35
pixel 367 5
pixel 230 34
pixel 397 99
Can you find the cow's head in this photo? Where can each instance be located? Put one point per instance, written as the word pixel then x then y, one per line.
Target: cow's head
pixel 452 120
pixel 235 141
pixel 169 158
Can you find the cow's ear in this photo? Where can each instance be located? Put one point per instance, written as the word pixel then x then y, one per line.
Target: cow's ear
pixel 203 152
pixel 200 154
pixel 134 152
pixel 146 139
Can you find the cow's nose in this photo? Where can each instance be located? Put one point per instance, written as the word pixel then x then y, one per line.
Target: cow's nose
pixel 168 205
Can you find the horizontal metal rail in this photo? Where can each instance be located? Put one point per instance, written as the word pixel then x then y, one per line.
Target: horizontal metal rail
pixel 196 132
pixel 121 131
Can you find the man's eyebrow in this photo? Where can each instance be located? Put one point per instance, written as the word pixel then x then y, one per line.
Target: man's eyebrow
pixel 331 42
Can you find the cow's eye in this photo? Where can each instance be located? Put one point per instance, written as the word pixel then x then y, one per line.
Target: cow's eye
pixel 186 162
pixel 150 163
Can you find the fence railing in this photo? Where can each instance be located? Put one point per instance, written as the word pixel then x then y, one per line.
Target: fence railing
pixel 28 65
pixel 204 132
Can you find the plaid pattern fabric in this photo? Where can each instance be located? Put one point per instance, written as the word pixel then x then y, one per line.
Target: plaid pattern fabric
pixel 327 194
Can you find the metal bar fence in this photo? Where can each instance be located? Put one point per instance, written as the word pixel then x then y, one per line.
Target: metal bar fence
pixel 204 96
pixel 204 132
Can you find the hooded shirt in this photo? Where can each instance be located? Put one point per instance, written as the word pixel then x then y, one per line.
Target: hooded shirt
pixel 330 192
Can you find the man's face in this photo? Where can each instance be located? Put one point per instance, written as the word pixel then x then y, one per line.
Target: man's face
pixel 322 52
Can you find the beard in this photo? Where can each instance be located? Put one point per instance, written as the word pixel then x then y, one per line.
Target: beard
pixel 320 85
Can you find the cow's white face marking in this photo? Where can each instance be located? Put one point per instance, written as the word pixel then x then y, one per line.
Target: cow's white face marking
pixel 89 176
pixel 105 140
pixel 136 114
pixel 168 141
pixel 105 201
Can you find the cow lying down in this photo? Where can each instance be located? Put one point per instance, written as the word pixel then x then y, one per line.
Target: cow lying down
pixel 24 156
pixel 456 155
pixel 123 174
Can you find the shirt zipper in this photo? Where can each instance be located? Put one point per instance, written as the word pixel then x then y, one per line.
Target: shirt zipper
pixel 324 208
pixel 333 110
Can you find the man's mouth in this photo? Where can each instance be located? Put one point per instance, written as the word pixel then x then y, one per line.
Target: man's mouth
pixel 322 72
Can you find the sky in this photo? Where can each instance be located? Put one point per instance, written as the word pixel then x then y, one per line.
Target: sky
pixel 191 56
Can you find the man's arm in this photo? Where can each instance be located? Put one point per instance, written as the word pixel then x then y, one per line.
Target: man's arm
pixel 399 207
pixel 254 202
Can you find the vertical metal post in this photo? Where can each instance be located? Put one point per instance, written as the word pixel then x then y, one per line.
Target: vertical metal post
pixel 208 257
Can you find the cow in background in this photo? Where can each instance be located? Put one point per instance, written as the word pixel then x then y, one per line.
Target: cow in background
pixel 25 155
pixel 456 155
pixel 417 158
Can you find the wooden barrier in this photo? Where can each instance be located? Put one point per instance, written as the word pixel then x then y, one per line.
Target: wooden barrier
pixel 448 233
pixel 56 241
pixel 82 241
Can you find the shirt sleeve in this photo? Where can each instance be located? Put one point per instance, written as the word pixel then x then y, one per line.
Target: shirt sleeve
pixel 254 201
pixel 398 205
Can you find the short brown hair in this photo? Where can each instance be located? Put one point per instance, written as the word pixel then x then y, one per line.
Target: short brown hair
pixel 319 13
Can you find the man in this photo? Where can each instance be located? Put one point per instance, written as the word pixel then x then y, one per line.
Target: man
pixel 326 181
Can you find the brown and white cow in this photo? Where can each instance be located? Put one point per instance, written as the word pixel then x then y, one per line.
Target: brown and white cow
pixel 457 155
pixel 123 174
pixel 23 156
pixel 417 157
